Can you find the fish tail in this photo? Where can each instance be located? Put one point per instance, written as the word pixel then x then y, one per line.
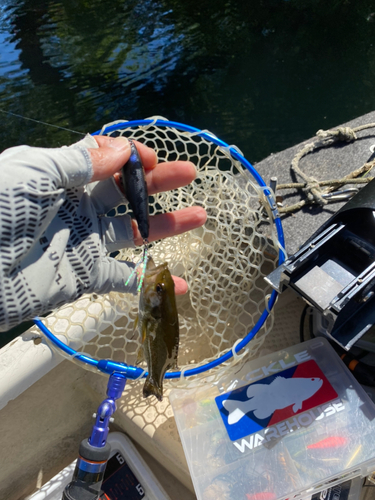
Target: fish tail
pixel 152 388
pixel 234 409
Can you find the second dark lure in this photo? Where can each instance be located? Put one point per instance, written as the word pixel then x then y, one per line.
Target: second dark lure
pixel 135 189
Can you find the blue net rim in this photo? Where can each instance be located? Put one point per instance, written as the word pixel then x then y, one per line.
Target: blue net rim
pixel 108 366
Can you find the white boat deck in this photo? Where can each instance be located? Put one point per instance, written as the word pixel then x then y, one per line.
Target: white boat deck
pixel 43 426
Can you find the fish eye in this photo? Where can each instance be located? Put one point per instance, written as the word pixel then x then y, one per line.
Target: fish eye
pixel 160 287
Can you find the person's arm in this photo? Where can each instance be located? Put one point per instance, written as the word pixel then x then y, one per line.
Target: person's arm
pixel 54 233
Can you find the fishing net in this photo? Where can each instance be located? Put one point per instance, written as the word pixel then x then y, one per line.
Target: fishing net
pixel 224 263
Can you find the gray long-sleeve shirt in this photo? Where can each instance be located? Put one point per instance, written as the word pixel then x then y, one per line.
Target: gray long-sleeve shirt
pixel 54 235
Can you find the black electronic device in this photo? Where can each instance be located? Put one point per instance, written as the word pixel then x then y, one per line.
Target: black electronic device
pixel 334 271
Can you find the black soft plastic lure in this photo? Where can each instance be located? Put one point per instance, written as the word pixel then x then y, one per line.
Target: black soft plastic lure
pixel 135 188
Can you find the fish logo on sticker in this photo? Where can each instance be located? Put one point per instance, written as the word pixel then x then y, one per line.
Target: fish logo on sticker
pixel 280 393
pixel 254 407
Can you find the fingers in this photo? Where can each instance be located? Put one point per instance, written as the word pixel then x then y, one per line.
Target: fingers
pixel 109 157
pixel 114 274
pixel 180 285
pixel 173 223
pixel 167 176
pixel 113 153
pixel 171 175
pixel 148 155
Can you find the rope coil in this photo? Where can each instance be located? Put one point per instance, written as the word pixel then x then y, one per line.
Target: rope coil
pixel 316 191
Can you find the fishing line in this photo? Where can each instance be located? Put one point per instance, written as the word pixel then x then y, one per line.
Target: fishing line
pixel 144 259
pixel 39 121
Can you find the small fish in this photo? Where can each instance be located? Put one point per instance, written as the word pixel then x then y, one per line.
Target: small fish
pixel 158 325
pixel 264 399
pixel 135 189
pixel 331 442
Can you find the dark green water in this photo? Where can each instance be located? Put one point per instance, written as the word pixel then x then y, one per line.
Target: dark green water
pixel 261 74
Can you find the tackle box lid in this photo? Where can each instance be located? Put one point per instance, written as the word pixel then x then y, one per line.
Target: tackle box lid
pixel 284 426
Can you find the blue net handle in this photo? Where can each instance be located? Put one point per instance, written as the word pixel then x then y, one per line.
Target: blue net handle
pixel 108 366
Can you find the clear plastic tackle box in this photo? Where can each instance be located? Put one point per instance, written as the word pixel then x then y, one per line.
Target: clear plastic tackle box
pixel 347 490
pixel 284 426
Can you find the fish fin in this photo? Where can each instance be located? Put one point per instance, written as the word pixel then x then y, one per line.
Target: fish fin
pixel 174 365
pixel 297 406
pixel 140 355
pixel 235 416
pixel 235 413
pixel 152 388
pixel 262 413
pixel 253 390
pixel 135 327
pixel 144 332
pixel 150 263
pixel 278 380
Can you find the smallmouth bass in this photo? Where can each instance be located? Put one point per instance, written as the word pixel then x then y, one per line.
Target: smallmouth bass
pixel 158 326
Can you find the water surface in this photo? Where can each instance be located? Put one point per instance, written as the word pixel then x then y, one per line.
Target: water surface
pixel 262 74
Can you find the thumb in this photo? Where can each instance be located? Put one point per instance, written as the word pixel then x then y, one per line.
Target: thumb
pixel 112 276
pixel 111 154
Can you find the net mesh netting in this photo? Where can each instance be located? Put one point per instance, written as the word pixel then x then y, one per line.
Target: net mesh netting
pixel 224 263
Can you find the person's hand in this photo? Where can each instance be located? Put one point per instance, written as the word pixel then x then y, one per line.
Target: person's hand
pixel 55 237
pixel 160 177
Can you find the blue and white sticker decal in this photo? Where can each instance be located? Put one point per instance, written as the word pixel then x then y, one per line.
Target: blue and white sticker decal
pixel 256 406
